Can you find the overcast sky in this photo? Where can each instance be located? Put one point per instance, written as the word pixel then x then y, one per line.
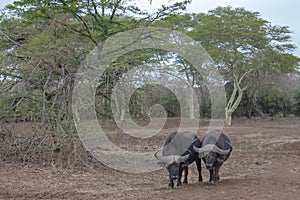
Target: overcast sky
pixel 278 12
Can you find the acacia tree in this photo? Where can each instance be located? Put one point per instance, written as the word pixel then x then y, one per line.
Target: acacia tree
pixel 42 44
pixel 241 43
pixel 53 26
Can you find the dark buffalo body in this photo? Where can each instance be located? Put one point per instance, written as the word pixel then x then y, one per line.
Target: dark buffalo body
pixel 177 153
pixel 215 150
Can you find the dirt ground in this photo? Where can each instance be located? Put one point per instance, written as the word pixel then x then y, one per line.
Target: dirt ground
pixel 265 164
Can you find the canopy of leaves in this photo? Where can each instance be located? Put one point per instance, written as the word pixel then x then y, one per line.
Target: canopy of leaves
pixel 239 40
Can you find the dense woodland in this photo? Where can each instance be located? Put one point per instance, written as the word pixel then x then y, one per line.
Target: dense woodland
pixel 43 43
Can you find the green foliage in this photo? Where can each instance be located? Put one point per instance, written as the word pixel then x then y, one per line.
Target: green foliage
pixel 146 96
pixel 297 102
pixel 42 45
pixel 170 103
pixel 176 22
pixel 241 43
pixel 239 40
pixel 274 102
pixel 205 108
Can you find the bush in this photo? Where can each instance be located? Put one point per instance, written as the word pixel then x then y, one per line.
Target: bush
pixel 275 102
pixel 297 102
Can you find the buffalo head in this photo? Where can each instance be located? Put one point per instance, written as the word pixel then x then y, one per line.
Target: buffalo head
pixel 173 163
pixel 209 154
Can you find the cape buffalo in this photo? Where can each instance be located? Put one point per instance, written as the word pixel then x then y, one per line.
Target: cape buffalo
pixel 215 150
pixel 177 153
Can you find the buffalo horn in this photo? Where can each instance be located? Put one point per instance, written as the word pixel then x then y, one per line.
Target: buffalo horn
pixel 220 151
pixel 171 158
pixel 203 151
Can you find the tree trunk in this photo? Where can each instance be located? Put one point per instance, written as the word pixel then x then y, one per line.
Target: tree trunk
pixel 191 103
pixel 234 100
pixel 228 117
pixel 233 103
pixel 122 118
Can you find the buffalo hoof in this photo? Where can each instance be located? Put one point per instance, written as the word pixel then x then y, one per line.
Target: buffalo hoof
pixel 171 186
pixel 213 182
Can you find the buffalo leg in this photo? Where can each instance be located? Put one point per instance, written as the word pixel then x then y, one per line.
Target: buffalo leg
pixel 198 164
pixel 179 176
pixel 186 172
pixel 211 175
pixel 171 183
pixel 216 174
